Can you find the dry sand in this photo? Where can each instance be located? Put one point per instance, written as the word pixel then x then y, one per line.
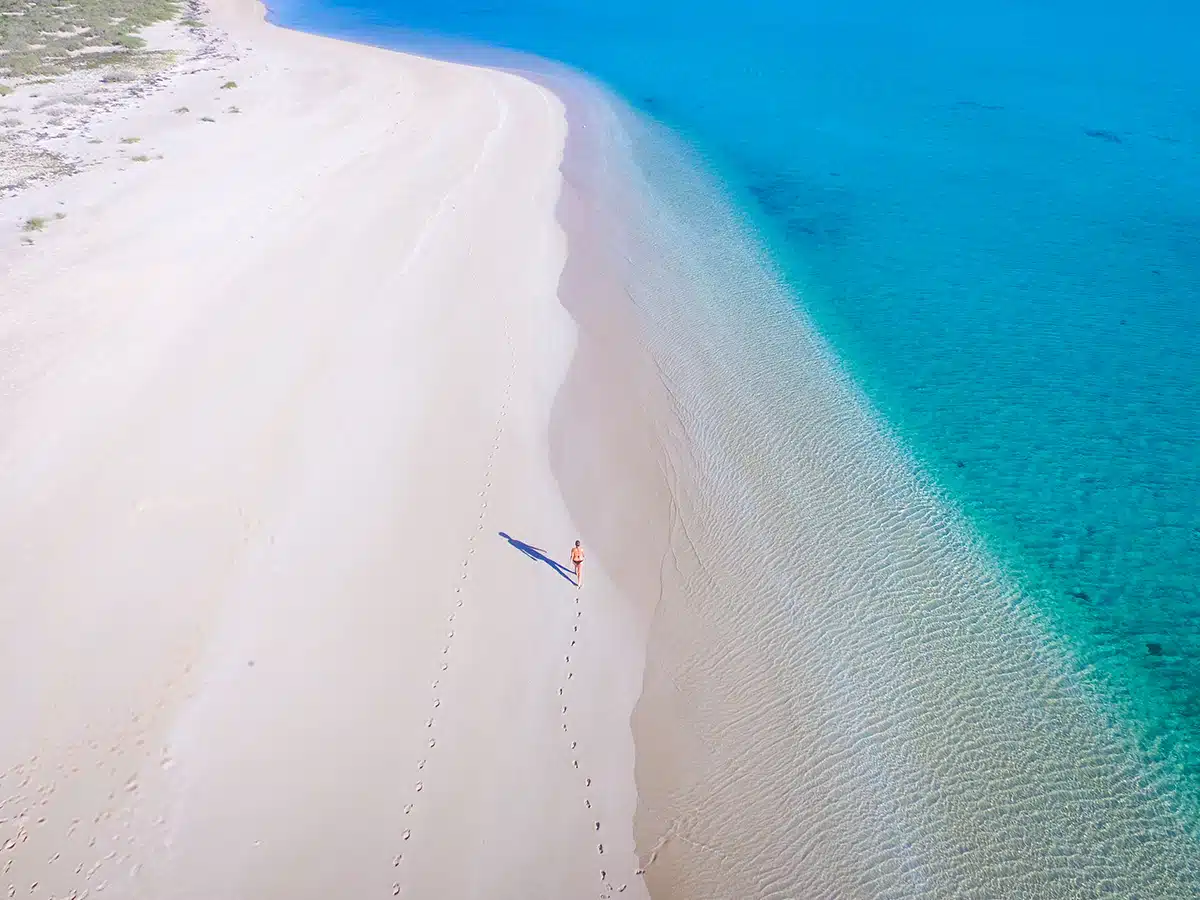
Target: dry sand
pixel 268 399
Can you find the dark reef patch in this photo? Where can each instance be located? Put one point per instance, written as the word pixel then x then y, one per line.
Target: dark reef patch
pixel 973 104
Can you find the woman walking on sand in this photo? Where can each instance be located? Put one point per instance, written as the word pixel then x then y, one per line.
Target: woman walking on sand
pixel 577 558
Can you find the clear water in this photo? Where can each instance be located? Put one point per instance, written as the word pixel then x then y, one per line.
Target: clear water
pixel 992 212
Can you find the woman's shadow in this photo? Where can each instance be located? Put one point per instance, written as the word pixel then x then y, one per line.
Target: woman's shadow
pixel 540 555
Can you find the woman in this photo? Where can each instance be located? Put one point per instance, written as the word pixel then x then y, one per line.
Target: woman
pixel 577 558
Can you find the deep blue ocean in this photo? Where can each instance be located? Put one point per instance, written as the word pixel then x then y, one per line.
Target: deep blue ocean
pixel 992 212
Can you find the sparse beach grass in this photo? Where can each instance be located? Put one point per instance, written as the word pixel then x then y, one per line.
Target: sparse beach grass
pixel 228 85
pixel 35 223
pixel 40 40
pixel 130 140
pixel 141 157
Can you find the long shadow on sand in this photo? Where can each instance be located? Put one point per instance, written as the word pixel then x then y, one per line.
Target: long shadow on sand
pixel 538 554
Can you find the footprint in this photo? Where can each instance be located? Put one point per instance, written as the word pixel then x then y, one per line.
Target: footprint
pixel 450 634
pixel 597 826
pixel 437 703
pixel 601 847
pixel 396 860
pixel 587 782
pixel 573 743
pixel 420 787
pixel 589 803
pixel 429 723
pixel 408 808
pixel 445 666
pixel 407 834
pixel 564 712
pixel 421 764
pixel 435 685
pixel 432 742
pixel 395 889
pixel 576 762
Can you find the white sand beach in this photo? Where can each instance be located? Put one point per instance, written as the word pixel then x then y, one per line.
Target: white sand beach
pixel 273 389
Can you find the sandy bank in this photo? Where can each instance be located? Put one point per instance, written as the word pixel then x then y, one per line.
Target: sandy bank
pixel 269 398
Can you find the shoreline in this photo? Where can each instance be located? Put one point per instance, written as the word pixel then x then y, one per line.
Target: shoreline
pixel 810 594
pixel 278 450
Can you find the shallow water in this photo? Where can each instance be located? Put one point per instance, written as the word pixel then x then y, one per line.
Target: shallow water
pixel 993 219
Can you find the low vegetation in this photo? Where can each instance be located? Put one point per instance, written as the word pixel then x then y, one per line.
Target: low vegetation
pixel 141 157
pixel 35 223
pixel 130 140
pixel 207 119
pixel 46 38
pixel 180 110
pixel 228 85
pixel 233 109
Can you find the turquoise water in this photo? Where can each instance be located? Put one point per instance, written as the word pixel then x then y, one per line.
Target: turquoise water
pixel 994 217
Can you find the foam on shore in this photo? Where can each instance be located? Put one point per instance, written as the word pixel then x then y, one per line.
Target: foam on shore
pixel 842 695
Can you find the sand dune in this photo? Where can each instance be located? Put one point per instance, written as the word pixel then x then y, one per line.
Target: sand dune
pixel 270 397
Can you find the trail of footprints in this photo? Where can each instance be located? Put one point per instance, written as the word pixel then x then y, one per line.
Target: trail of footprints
pixel 431 726
pixel 606 885
pixel 607 888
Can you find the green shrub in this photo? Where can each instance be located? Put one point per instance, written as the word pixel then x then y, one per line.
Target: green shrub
pixel 40 38
pixel 34 223
pixel 229 84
